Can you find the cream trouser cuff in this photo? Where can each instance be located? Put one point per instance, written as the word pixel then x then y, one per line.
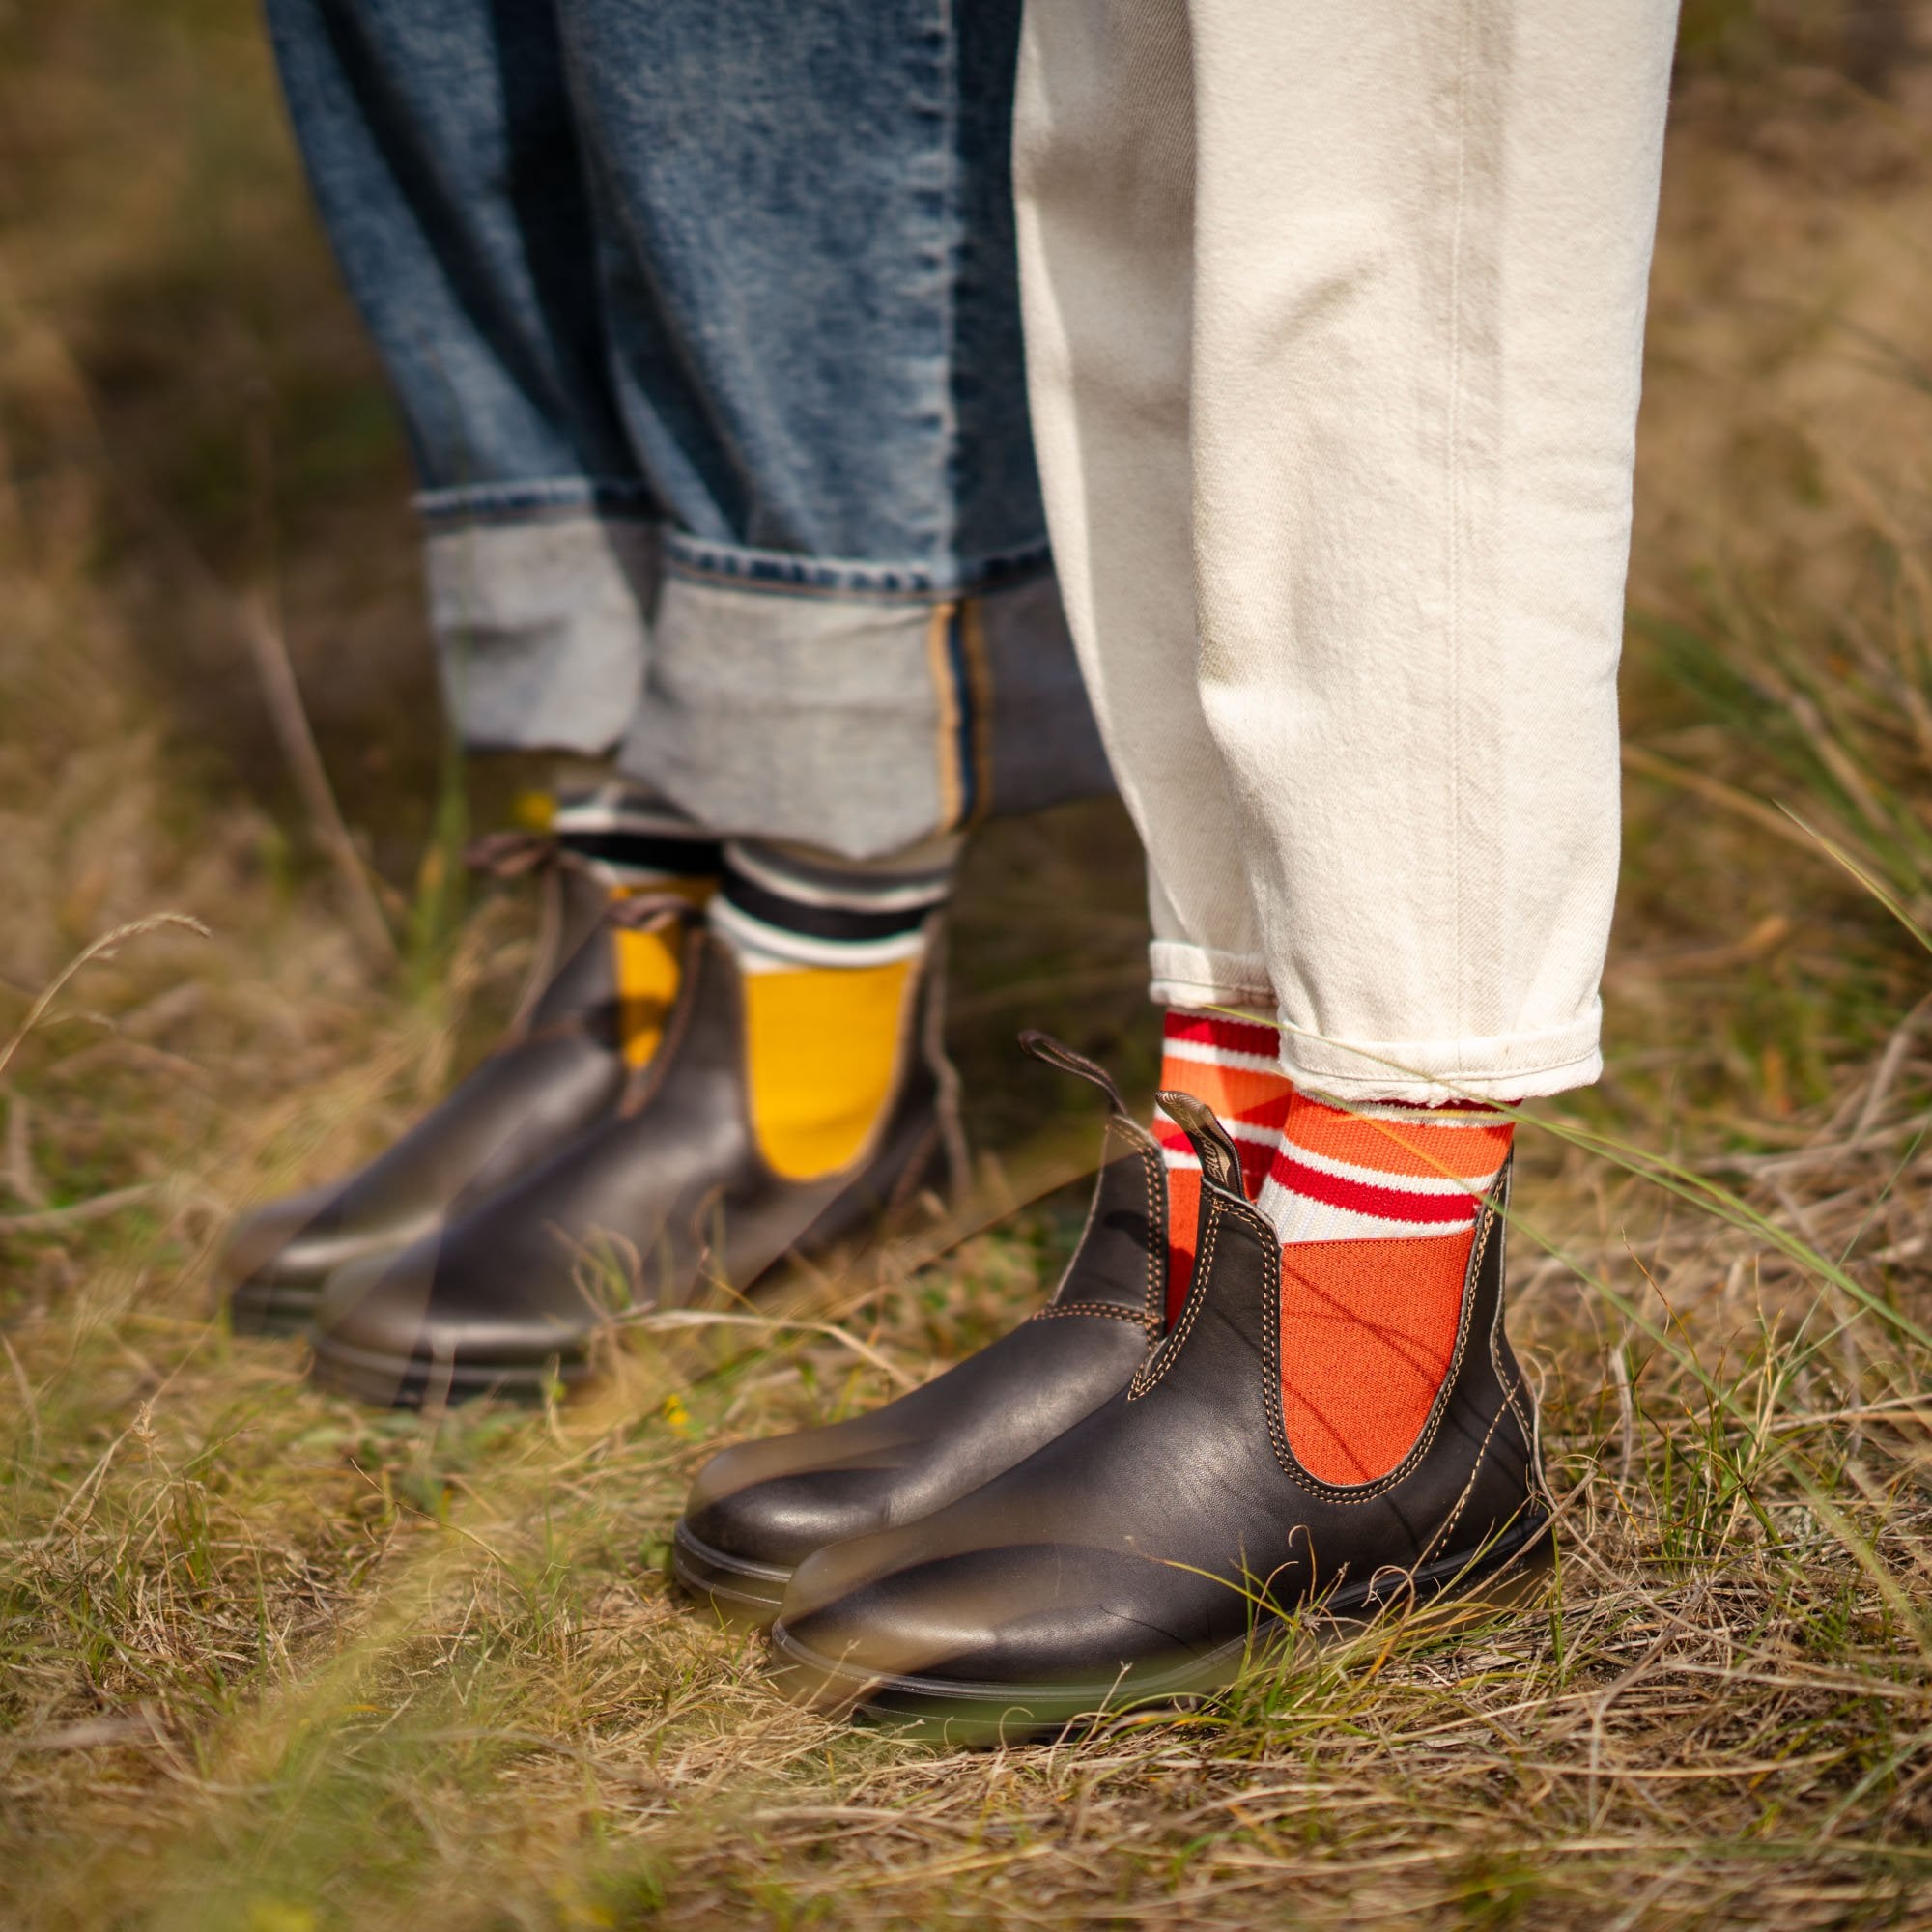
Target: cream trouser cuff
pixel 1334 315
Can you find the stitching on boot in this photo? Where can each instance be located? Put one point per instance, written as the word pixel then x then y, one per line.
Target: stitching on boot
pixel 1441 1536
pixel 1153 1309
pixel 1528 1417
pixel 1151 1372
pixel 1153 1300
pixel 1509 1385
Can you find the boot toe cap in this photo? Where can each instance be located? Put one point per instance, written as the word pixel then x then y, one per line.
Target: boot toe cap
pixel 782 1518
pixel 783 1498
pixel 380 1304
pixel 281 1239
pixel 1081 1622
pixel 306 1237
pixel 422 1322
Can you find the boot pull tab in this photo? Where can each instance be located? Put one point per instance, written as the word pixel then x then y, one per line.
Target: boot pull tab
pixel 1043 1046
pixel 650 911
pixel 510 855
pixel 1220 1164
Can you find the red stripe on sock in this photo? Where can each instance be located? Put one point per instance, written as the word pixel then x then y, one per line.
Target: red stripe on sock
pixel 1255 1098
pixel 1254 1158
pixel 1230 1035
pixel 1387 1203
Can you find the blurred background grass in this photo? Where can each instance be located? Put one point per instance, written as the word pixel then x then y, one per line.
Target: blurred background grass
pixel 266 1662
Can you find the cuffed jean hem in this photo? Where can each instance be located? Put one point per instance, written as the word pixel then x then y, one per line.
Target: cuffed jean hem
pixel 1509 1067
pixel 858 707
pixel 860 724
pixel 540 613
pixel 1196 975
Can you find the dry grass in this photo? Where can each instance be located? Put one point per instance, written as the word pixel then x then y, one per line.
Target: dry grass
pixel 270 1663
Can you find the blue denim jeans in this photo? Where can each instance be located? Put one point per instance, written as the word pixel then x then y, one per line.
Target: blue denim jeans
pixel 703 316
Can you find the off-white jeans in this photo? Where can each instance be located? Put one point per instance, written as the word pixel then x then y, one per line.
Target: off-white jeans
pixel 1334 311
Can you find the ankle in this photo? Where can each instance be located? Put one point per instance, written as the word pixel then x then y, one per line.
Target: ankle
pixel 1234 1066
pixel 1376 1208
pixel 1382 1170
pixel 632 840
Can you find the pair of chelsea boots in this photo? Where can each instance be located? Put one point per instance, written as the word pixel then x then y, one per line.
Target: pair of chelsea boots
pixel 1101 1512
pixel 558 1184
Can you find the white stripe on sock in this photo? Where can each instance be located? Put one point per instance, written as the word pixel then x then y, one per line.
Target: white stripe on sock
pixel 857 895
pixel 1298 1218
pixel 1476 1186
pixel 1204 1053
pixel 771 948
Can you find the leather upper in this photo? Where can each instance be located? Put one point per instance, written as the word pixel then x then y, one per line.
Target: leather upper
pixel 1143 1538
pixel 668 1185
pixel 776 1501
pixel 561 1066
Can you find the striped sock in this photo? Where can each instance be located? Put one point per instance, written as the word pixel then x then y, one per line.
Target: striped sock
pixel 634 842
pixel 1234 1067
pixel 1376 1208
pixel 829 950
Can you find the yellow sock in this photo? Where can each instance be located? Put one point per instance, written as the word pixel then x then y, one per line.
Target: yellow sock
pixel 822 1051
pixel 830 952
pixel 636 844
pixel 649 971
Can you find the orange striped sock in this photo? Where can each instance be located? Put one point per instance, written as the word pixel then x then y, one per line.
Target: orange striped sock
pixel 1234 1066
pixel 1375 1207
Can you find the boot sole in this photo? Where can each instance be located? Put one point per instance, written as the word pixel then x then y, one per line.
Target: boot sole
pixel 1501 1577
pixel 273 1307
pixel 409 1382
pixel 738 1591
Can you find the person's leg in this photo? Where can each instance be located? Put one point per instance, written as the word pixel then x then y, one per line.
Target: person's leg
pixel 1106 233
pixel 643 285
pixel 445 161
pixel 1382 436
pixel 732 285
pixel 1106 230
pixel 806 265
pixel 1410 587
pixel 801 318
pixel 1412 315
pixel 1418 245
